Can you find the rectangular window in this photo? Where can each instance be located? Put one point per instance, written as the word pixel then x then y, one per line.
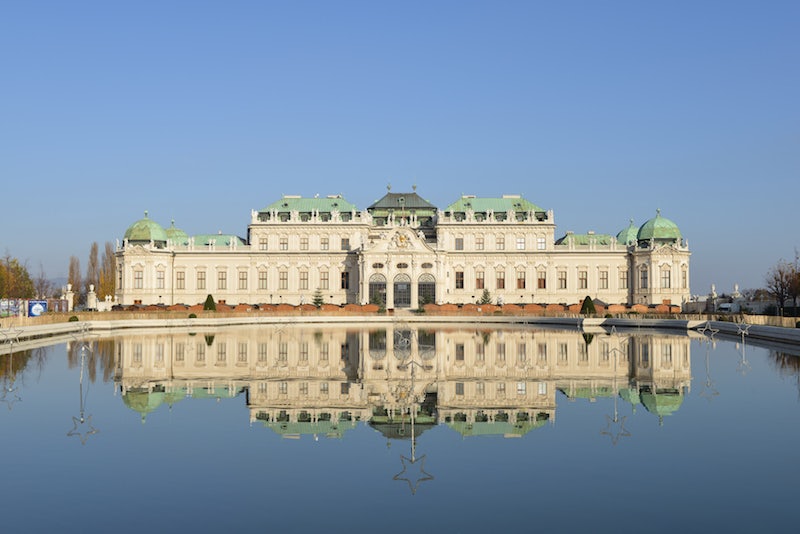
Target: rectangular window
pixel 138 279
pixel 304 353
pixel 283 388
pixel 241 357
pixel 520 279
pixel 284 243
pixel 459 388
pixel 479 243
pixel 623 279
pixel 262 243
pixel 521 388
pixel 345 243
pixel 323 352
pixel 137 353
pixel 159 353
pixel 262 279
pixel 200 353
pixel 603 280
pixel 324 388
pixel 323 280
pixel 542 388
pixel 500 354
pixel 459 243
pixel 500 279
pixel 583 279
pixel 242 279
pixel 480 389
pixel 643 281
pixel 222 353
pixel 479 280
pixel 180 352
pixel 283 280
pixel 562 354
pixel 459 279
pixel 201 279
pixel 541 244
pixel 522 353
pixel 666 279
pixel 304 388
pixel 541 353
pixel 562 279
pixel 303 279
pixel 222 280
pixel 345 280
pixel 501 389
pixel 541 280
pixel 262 352
pixel 159 279
pixel 180 280
pixel 283 352
pixel 480 351
pixel 520 243
pixel 304 243
pixel 344 388
pixel 459 352
pixel 500 242
pixel 684 279
pixel 324 243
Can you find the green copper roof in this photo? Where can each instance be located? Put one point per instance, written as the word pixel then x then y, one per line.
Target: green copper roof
pixel 497 205
pixel 307 205
pixel 628 235
pixel 584 239
pixel 662 403
pixel 659 228
pixel 587 392
pixel 330 429
pixel 176 235
pixel 219 240
pixel 145 230
pixel 401 202
pixel 495 428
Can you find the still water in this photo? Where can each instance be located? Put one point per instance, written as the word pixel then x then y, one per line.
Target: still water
pixel 397 429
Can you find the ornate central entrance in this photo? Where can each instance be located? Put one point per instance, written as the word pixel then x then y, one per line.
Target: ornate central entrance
pixel 402 291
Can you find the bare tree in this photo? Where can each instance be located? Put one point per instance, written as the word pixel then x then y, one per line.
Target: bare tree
pixel 92 269
pixel 779 280
pixel 74 278
pixel 42 286
pixel 107 280
pixel 794 281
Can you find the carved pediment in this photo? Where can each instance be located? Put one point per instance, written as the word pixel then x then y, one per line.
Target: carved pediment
pixel 398 240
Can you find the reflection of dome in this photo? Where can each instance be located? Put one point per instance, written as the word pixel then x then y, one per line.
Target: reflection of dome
pixel 662 402
pixel 146 230
pixel 628 235
pixel 659 229
pixel 143 401
pixel 176 235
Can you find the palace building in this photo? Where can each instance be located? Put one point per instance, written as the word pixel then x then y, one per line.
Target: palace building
pixel 403 252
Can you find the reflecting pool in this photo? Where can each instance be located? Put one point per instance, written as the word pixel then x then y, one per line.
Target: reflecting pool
pixel 398 428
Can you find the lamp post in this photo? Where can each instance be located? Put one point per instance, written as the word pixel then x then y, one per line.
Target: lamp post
pixel 615 426
pixel 10 389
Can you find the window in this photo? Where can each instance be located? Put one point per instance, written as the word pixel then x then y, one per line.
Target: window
pixel 283 388
pixel 324 243
pixel 480 352
pixel 480 389
pixel 643 282
pixel 262 243
pixel 521 388
pixel 138 279
pixel 500 279
pixel 283 352
pixel 262 279
pixel 201 279
pixel 520 243
pixel 541 244
pixel 459 279
pixel 159 356
pixel 323 352
pixel 459 243
pixel 303 388
pixel 200 353
pixel 323 280
pixel 180 280
pixel 684 278
pixel 304 353
pixel 262 352
pixel 520 279
pixel 479 280
pixel 459 352
pixel 303 279
pixel 522 353
pixel 284 243
pixel 242 279
pixel 562 354
pixel 603 280
pixel 345 280
pixel 345 243
pixel 500 354
pixel 479 243
pixel 666 279
pixel 541 353
pixel 222 280
pixel 459 388
pixel 542 388
pixel 562 279
pixel 501 389
pixel 583 279
pixel 242 355
pixel 541 280
pixel 283 280
pixel 304 243
pixel 180 352
pixel 222 353
pixel 623 279
pixel 500 242
pixel 137 353
pixel 159 279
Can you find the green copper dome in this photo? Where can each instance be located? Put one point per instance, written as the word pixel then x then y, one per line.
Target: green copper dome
pixel 659 229
pixel 628 235
pixel 146 230
pixel 176 235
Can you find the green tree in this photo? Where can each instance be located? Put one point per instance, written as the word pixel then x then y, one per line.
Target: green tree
pixel 318 300
pixel 15 280
pixel 209 304
pixel 486 298
pixel 587 307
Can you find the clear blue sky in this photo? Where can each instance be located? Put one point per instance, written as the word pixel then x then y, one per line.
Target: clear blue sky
pixel 601 111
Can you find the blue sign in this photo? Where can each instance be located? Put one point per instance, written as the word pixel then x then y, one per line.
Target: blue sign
pixel 36 307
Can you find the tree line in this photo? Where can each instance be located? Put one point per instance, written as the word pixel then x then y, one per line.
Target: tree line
pixel 783 283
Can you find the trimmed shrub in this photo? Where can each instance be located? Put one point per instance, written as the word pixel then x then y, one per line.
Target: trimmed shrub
pixel 73 319
pixel 587 308
pixel 192 316
pixel 209 304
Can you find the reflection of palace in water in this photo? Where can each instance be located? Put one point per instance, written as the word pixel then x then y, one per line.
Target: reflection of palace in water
pixel 302 380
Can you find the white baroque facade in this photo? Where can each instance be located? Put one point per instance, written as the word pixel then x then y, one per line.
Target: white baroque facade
pixel 404 252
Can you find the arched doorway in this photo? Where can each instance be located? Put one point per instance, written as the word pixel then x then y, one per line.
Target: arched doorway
pixel 377 289
pixel 426 289
pixel 402 291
